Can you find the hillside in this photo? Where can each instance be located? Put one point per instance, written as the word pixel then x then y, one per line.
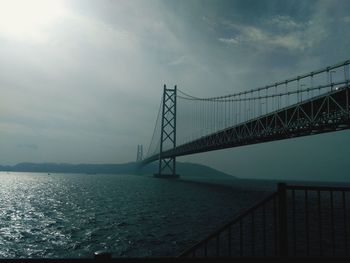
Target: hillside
pixel 184 169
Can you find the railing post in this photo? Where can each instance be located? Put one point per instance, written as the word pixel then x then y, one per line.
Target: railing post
pixel 282 220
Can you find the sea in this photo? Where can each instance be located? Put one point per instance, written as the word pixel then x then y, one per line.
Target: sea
pixel 73 215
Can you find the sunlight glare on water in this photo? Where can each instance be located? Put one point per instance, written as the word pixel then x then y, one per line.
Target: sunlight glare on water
pixel 73 215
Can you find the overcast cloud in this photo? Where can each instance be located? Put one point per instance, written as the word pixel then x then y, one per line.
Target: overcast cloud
pixel 81 80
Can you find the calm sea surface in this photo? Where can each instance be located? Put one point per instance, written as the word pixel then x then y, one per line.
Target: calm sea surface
pixel 73 215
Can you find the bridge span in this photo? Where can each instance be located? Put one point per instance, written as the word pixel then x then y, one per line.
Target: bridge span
pixel 309 104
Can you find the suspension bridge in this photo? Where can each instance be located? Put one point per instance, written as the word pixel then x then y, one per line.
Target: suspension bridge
pixel 308 104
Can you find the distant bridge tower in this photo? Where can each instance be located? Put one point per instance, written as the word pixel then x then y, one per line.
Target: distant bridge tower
pixel 139 157
pixel 167 166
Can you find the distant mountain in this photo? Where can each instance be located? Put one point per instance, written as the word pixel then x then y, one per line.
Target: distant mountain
pixel 189 169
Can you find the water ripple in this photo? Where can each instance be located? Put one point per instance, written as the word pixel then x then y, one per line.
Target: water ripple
pixel 73 215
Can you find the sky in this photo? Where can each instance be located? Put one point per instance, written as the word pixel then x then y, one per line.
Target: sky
pixel 81 80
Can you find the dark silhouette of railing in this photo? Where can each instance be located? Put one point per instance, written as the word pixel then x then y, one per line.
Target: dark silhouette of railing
pixel 293 221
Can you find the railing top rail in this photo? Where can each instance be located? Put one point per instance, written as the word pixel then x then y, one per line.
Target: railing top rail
pixel 317 188
pixel 235 220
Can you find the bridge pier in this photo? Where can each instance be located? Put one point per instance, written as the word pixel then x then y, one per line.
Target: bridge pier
pixel 167 165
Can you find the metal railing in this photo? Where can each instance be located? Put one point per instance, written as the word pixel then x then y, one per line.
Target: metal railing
pixel 293 221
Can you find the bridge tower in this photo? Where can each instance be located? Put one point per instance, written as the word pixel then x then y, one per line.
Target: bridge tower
pixel 167 165
pixel 139 153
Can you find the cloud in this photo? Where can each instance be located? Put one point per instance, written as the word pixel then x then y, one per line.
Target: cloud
pixel 260 38
pixel 179 61
pixel 89 84
pixel 345 19
pixel 276 32
pixel 284 22
pixel 93 84
pixel 229 40
pixel 29 21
